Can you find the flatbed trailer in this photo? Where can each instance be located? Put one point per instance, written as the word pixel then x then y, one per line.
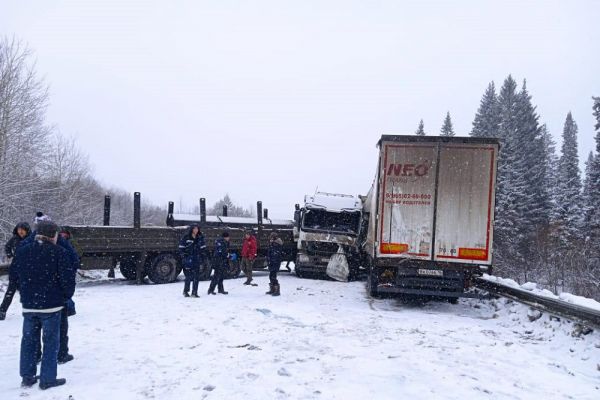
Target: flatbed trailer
pixel 151 251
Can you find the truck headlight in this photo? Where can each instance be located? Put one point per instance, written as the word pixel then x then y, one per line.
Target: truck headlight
pixel 303 258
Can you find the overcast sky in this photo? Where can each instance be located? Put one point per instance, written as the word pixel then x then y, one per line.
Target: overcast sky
pixel 267 100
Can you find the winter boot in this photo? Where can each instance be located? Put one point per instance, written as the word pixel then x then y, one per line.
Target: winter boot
pixel 275 290
pixel 29 382
pixel 195 295
pixel 223 292
pixel 66 359
pixel 185 294
pixel 270 289
pixel 48 385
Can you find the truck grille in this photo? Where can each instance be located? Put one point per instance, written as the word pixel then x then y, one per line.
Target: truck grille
pixel 321 248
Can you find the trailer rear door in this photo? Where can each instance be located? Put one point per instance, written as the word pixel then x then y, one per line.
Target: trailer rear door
pixel 406 195
pixel 465 203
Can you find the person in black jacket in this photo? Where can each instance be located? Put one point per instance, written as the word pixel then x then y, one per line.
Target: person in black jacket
pixel 20 233
pixel 274 256
pixel 69 309
pixel 220 263
pixel 191 249
pixel 46 281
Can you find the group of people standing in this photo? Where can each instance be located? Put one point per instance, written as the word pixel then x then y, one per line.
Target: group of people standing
pixel 43 265
pixel 193 251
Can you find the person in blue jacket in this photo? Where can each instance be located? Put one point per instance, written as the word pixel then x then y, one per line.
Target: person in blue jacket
pixel 46 281
pixel 191 249
pixel 220 263
pixel 20 233
pixel 69 309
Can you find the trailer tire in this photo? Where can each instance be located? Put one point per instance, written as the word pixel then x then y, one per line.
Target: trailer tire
pixel 372 284
pixel 234 270
pixel 164 268
pixel 205 269
pixel 299 272
pixel 128 268
pixel 453 300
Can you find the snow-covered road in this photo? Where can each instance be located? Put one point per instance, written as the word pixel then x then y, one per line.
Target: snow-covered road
pixel 319 340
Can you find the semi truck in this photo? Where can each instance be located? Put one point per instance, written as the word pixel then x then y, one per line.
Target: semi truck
pixel 430 215
pixel 327 223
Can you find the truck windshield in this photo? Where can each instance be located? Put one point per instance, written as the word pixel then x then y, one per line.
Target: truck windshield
pixel 321 220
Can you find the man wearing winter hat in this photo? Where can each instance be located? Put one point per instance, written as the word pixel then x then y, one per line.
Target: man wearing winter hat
pixel 46 281
pixel 69 310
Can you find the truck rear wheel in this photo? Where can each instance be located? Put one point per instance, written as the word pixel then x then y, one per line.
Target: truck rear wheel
pixel 128 267
pixel 205 270
pixel 164 269
pixel 372 283
pixel 234 270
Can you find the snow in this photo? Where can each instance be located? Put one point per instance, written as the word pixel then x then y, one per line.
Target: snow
pixel 533 287
pixel 333 202
pixel 231 220
pixel 319 340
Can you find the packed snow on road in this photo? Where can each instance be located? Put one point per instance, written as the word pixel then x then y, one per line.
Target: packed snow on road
pixel 319 340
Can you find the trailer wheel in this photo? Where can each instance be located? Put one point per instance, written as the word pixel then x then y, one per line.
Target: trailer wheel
pixel 128 267
pixel 372 284
pixel 234 270
pixel 164 269
pixel 205 269
pixel 453 300
pixel 298 271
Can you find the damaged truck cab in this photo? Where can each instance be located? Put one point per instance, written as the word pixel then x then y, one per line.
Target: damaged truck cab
pixel 327 224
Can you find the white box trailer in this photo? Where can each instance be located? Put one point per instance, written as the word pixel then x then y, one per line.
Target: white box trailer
pixel 430 213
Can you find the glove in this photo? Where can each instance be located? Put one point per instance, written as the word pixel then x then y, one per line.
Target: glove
pixel 2 315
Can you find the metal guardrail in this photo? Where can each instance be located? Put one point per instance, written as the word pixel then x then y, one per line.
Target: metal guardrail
pixel 584 315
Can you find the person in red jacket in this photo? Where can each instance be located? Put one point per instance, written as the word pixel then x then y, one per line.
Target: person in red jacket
pixel 249 249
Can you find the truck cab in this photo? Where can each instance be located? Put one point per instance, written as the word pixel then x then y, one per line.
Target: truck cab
pixel 327 223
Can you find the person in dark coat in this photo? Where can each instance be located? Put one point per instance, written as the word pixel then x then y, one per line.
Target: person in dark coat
pixel 191 249
pixel 220 263
pixel 20 233
pixel 46 281
pixel 63 240
pixel 274 255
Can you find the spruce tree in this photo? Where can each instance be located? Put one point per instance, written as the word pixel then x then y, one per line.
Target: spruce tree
pixel 421 129
pixel 569 185
pixel 487 119
pixel 550 178
pixel 447 129
pixel 511 185
pixel 592 216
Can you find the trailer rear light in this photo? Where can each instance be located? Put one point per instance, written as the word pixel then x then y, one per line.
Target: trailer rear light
pixel 393 248
pixel 303 258
pixel 473 254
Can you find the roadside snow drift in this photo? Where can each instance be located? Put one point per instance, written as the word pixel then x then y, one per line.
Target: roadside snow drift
pixel 319 340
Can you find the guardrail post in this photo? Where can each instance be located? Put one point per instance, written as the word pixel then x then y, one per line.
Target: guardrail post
pixel 224 210
pixel 106 210
pixel 137 205
pixel 266 213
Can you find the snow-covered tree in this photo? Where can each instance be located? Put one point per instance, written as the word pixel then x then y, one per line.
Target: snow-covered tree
pixel 487 119
pixel 569 184
pixel 447 129
pixel 232 209
pixel 421 129
pixel 592 191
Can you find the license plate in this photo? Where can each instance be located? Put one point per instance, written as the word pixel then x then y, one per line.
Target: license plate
pixel 430 272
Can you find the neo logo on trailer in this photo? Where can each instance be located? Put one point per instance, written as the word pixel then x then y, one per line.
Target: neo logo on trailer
pixel 409 169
